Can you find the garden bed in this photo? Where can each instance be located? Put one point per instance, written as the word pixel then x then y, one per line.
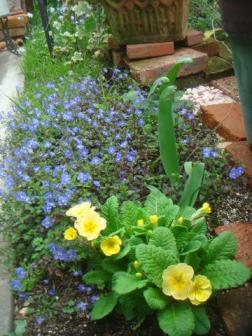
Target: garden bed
pixel 86 135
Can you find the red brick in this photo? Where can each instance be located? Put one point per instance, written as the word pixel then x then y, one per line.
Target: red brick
pixel 148 50
pixel 148 70
pixel 228 118
pixel 210 48
pixel 242 154
pixel 193 37
pixel 235 309
pixel 243 233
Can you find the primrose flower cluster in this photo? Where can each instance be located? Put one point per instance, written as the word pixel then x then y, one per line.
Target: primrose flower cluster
pixel 158 257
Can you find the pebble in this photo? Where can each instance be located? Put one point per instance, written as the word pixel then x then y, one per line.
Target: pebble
pixel 205 95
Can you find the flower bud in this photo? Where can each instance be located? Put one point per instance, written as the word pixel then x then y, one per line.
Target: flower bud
pixel 136 264
pixel 140 222
pixel 139 275
pixel 153 219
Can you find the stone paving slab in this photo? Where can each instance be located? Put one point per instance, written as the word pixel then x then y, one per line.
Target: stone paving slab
pixel 228 118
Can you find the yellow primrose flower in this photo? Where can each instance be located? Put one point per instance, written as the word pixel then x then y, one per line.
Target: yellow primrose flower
pixel 140 222
pixel 181 220
pixel 90 225
pixel 70 234
pixel 201 290
pixel 111 245
pixel 177 281
pixel 206 208
pixel 79 210
pixel 153 219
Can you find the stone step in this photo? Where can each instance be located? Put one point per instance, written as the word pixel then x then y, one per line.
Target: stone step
pixel 193 37
pixel 148 70
pixel 228 118
pixel 242 155
pixel 149 50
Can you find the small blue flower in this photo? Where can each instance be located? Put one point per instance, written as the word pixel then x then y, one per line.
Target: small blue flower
pixel 82 306
pixel 23 296
pixel 21 196
pixel 183 111
pixel 94 299
pixel 207 152
pixel 65 178
pixel 82 288
pixel 45 282
pixel 15 285
pixel 40 319
pixel 236 172
pixel 83 177
pixel 47 222
pixel 76 274
pixel 20 272
pixel 51 292
pixel 95 161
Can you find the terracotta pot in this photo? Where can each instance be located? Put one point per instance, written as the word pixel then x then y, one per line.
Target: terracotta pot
pixel 139 21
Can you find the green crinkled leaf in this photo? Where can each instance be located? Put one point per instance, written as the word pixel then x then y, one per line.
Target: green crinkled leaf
pixel 200 227
pixel 104 306
pixel 155 298
pixel 133 304
pixel 202 323
pixel 164 238
pixel 223 246
pixel 154 261
pixel 225 274
pixel 98 278
pixel 191 246
pixel 158 204
pixel 177 320
pixel 109 210
pixel 124 283
pixel 130 213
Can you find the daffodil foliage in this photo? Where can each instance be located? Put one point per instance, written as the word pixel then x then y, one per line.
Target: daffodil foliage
pixel 155 258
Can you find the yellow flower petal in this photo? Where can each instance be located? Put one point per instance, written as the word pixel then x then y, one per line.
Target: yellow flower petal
pixel 111 245
pixel 206 208
pixel 90 225
pixel 140 222
pixel 177 281
pixel 201 290
pixel 70 234
pixel 79 209
pixel 153 219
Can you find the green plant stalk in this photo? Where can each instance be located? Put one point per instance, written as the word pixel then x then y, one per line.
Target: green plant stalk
pixel 166 135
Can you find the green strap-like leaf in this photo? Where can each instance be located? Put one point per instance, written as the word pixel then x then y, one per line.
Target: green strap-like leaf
pixel 192 186
pixel 173 72
pixel 166 135
pixel 177 320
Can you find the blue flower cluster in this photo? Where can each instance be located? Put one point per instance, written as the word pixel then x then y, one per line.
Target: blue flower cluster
pixel 71 136
pixel 61 254
pixel 209 153
pixel 236 172
pixel 16 284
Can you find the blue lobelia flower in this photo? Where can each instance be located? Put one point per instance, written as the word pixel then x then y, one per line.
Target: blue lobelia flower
pixel 47 222
pixel 15 284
